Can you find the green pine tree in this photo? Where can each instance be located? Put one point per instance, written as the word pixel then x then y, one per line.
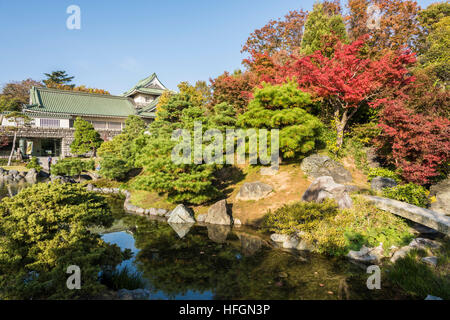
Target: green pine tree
pixel 86 139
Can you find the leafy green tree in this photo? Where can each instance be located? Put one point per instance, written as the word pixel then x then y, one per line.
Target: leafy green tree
pixel 20 90
pixel 58 77
pixel 43 231
pixel 86 138
pixel 284 107
pixel 319 25
pixel 436 59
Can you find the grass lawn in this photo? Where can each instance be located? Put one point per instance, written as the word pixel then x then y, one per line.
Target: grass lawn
pixel 18 168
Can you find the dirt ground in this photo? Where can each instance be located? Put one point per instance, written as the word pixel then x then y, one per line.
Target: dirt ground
pixel 289 184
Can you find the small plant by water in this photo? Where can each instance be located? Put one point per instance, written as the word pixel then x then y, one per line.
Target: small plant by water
pixel 122 278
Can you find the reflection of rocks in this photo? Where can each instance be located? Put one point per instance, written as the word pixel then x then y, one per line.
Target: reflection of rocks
pixel 317 166
pixel 249 244
pixel 181 214
pixel 291 242
pixel 379 183
pixel 218 233
pixel 218 214
pixel 181 229
pixel 137 294
pixel 325 187
pixel 253 191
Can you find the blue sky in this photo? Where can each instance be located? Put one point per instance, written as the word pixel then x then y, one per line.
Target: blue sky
pixel 121 42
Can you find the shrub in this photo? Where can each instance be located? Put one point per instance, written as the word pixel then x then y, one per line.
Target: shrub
pixel 419 145
pixel 34 164
pixel 301 216
pixel 113 168
pixel 382 172
pixel 72 167
pixel 410 193
pixel 365 133
pixel 43 230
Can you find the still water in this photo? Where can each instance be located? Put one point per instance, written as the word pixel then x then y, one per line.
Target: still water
pixel 217 262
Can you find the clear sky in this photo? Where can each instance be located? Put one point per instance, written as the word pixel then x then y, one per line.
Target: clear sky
pixel 121 42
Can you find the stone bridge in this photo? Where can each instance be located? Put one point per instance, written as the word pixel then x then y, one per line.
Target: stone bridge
pixel 429 218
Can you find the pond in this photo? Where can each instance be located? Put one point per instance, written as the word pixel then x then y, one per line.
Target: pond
pixel 217 262
pixel 178 261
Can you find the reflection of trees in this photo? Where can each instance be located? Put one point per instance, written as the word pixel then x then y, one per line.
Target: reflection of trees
pixel 196 263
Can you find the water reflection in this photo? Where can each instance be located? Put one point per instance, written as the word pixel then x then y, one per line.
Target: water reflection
pixel 216 262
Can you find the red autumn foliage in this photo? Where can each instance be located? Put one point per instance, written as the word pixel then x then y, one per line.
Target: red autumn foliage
pixel 347 79
pixel 234 89
pixel 418 144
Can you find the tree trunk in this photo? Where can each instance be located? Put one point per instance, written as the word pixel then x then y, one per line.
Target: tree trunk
pixel 13 147
pixel 340 126
pixel 341 123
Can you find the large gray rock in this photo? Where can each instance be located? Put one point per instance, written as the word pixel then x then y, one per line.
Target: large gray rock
pixel 365 255
pixel 253 191
pixel 181 214
pixel 442 193
pixel 318 166
pixel 418 243
pixel 432 261
pixel 325 187
pixel 218 214
pixel 379 183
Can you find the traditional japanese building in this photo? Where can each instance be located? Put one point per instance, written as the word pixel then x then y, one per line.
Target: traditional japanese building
pixel 54 111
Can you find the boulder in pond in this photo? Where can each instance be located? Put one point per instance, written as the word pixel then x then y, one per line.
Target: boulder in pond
pixel 317 166
pixel 379 183
pixel 218 214
pixel 441 191
pixel 325 187
pixel 253 191
pixel 367 255
pixel 181 214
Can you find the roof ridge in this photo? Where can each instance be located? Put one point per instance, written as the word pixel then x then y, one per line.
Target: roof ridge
pixel 80 93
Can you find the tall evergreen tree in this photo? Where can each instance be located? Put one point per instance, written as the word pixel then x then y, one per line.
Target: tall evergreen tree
pixel 58 77
pixel 85 138
pixel 318 26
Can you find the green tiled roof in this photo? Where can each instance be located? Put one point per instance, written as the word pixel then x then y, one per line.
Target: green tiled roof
pixel 54 101
pixel 141 87
pixel 150 110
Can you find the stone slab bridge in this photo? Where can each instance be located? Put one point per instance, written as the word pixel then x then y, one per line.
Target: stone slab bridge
pixel 65 134
pixel 429 218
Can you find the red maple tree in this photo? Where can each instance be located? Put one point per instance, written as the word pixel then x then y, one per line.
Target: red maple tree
pixel 416 143
pixel 347 79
